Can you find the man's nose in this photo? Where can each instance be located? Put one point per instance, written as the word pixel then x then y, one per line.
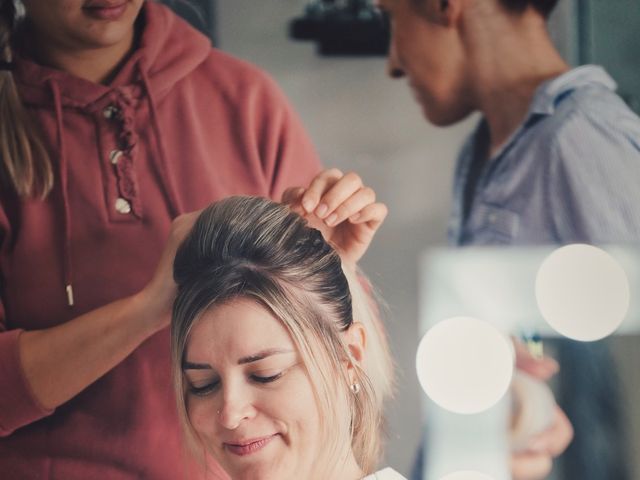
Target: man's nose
pixel 394 70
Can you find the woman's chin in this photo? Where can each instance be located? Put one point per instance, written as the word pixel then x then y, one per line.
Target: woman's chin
pixel 257 472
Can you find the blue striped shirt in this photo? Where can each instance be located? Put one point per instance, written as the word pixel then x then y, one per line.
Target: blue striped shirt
pixel 570 173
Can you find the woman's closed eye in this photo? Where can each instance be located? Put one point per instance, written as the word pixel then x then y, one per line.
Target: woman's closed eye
pixel 266 379
pixel 203 389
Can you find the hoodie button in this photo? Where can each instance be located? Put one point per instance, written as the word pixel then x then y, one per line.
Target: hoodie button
pixel 110 111
pixel 122 206
pixel 114 156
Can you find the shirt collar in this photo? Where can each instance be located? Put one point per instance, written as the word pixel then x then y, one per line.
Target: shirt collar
pixel 548 93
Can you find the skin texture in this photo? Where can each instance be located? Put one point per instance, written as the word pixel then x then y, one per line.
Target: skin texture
pixel 231 401
pixel 342 208
pixel 462 56
pixel 69 37
pixel 430 55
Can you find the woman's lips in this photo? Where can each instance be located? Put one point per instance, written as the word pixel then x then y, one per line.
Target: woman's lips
pixel 247 447
pixel 104 10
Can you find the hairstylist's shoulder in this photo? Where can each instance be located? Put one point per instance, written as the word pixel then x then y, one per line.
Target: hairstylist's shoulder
pixel 239 79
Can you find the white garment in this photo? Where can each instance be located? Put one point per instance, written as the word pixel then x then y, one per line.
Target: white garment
pixel 386 474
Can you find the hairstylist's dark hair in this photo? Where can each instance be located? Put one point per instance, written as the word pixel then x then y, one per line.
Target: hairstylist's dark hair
pixel 24 164
pixel 544 7
pixel 253 248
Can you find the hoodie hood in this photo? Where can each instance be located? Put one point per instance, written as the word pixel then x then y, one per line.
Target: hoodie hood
pixel 169 50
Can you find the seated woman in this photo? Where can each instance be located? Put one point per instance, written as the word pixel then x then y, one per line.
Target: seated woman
pixel 280 368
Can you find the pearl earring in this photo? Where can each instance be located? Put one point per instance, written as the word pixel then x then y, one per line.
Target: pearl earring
pixel 355 388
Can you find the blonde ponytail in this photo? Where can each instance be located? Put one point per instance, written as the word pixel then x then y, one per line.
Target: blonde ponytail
pixel 25 166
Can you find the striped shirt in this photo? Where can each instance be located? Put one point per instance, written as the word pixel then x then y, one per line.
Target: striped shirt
pixel 570 173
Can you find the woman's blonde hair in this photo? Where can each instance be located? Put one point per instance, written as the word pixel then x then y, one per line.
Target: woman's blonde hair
pixel 250 247
pixel 25 166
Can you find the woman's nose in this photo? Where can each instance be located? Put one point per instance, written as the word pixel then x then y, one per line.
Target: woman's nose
pixel 236 407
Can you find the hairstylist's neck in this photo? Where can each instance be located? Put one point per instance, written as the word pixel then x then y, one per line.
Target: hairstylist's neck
pixel 96 64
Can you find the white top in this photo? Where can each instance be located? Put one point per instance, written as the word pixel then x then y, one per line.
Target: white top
pixel 386 474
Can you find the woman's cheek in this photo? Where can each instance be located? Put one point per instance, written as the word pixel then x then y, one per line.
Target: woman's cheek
pixel 201 415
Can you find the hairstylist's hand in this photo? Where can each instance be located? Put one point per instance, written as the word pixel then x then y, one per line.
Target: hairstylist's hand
pixel 342 208
pixel 535 462
pixel 158 295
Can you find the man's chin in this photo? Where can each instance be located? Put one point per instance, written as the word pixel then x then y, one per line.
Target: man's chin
pixel 443 117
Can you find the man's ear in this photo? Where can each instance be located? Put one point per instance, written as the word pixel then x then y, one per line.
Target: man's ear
pixel 442 12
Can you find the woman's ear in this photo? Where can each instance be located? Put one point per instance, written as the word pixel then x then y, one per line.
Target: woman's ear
pixel 356 340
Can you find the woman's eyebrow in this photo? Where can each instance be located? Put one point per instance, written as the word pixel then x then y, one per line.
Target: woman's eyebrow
pixel 186 365
pixel 263 354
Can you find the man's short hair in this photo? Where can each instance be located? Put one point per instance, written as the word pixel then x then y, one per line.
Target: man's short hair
pixel 545 7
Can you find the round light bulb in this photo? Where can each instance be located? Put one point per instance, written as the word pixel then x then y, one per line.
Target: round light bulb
pixel 582 292
pixel 465 365
pixel 466 475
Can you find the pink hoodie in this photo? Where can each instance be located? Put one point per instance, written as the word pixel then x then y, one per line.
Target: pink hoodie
pixel 180 126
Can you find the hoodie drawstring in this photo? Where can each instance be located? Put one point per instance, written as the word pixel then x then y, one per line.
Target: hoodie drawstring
pixel 162 170
pixel 162 166
pixel 62 155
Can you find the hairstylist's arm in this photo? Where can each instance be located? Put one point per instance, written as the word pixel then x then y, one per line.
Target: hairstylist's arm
pixel 342 208
pixel 59 362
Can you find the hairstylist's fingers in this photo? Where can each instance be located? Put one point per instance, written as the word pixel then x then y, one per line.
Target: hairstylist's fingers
pixel 292 195
pixel 337 194
pixel 541 368
pixel 316 189
pixel 350 206
pixel 530 466
pixel 182 225
pixel 372 215
pixel 555 439
pixel 292 198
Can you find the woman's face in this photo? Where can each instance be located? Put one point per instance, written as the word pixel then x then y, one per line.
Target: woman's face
pixel 83 24
pixel 249 397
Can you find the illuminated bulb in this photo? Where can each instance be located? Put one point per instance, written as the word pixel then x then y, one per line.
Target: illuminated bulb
pixel 582 292
pixel 465 365
pixel 467 475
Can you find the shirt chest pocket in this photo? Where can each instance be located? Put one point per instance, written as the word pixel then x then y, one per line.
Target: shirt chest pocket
pixel 492 224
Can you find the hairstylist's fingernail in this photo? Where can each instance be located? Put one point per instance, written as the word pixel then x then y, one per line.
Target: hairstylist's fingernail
pixel 354 217
pixel 307 204
pixel 322 209
pixel 331 219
